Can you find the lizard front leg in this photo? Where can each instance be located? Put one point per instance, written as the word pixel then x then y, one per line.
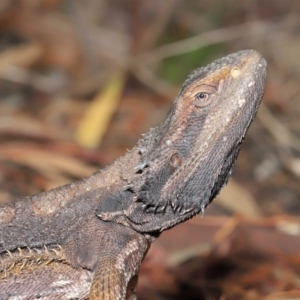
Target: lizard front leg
pixel 116 272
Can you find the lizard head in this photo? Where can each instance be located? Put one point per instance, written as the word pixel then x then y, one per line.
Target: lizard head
pixel 188 158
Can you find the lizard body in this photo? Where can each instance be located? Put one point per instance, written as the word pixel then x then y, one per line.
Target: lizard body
pixel 87 239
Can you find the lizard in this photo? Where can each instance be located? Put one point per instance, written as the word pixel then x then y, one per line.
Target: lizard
pixel 87 239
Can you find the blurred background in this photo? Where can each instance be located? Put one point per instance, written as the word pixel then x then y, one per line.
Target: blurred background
pixel 81 80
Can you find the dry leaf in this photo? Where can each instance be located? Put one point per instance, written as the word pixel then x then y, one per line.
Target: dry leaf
pixel 235 198
pixel 98 115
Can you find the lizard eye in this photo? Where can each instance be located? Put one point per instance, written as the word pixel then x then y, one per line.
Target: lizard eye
pixel 202 99
pixel 202 96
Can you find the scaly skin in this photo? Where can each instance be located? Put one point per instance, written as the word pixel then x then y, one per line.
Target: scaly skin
pixel 87 239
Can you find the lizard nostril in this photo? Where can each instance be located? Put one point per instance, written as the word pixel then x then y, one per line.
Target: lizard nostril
pixel 235 72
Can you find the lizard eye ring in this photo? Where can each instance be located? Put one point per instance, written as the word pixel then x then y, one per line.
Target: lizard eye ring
pixel 202 99
pixel 203 95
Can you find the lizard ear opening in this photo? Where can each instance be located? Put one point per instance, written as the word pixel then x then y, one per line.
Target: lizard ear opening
pixel 175 161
